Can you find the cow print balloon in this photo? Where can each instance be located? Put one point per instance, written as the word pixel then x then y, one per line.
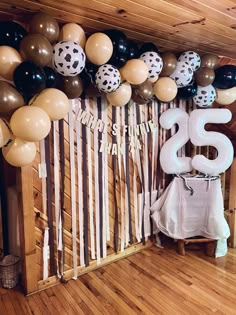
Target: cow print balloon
pixel 183 74
pixel 108 78
pixel 154 63
pixel 205 96
pixel 68 58
pixel 192 58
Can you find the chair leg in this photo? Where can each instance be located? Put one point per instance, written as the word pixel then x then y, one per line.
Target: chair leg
pixel 181 248
pixel 210 248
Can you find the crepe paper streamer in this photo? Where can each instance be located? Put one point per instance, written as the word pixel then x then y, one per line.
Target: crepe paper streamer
pixel 49 206
pixel 105 211
pixel 62 192
pixel 127 177
pixel 72 186
pixel 57 189
pixel 135 196
pixel 100 179
pixel 45 253
pixel 44 185
pixel 105 162
pixel 114 167
pixel 96 187
pixel 90 192
pixel 79 192
pixel 85 226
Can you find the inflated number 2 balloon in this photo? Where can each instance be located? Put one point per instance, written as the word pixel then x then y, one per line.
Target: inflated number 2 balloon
pixel 193 128
pixel 170 163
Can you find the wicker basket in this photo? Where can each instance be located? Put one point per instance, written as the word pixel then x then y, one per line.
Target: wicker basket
pixel 9 271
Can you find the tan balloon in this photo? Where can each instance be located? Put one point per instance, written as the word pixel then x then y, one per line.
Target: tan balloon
pixel 225 96
pixel 5 133
pixel 19 152
pixel 9 60
pixel 74 33
pixel 165 89
pixel 53 101
pixel 135 71
pixel 99 48
pixel 121 96
pixel 30 123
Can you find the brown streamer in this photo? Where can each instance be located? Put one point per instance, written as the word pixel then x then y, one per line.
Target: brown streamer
pixel 100 178
pixel 49 205
pixel 127 175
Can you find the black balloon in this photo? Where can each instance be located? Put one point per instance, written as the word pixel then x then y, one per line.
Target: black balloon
pixel 187 92
pixel 225 77
pixel 148 47
pixel 118 60
pixel 51 77
pixel 88 74
pixel 133 50
pixel 11 34
pixel 29 79
pixel 119 41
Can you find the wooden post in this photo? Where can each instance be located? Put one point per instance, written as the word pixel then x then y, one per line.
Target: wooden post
pixel 232 205
pixel 27 228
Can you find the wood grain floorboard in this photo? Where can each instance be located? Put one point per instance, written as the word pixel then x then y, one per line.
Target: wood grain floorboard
pixel 154 281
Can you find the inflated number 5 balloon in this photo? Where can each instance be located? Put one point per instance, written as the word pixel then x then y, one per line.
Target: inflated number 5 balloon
pixel 193 128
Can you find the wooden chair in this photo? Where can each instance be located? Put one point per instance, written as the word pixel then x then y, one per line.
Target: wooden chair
pixel 210 245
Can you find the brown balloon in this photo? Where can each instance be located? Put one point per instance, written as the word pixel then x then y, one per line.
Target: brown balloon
pixel 36 48
pixel 169 64
pixel 209 61
pixel 137 99
pixel 71 86
pixel 10 98
pixel 204 76
pixel 143 92
pixel 45 25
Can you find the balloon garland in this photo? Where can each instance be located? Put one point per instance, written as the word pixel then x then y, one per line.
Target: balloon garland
pixel 45 67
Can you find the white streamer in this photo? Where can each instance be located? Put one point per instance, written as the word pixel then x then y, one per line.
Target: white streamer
pixel 95 139
pixel 44 184
pixel 90 196
pixel 104 209
pixel 80 193
pixel 73 195
pixel 45 253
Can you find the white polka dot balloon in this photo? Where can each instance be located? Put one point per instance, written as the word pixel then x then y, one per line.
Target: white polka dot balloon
pixel 205 96
pixel 183 74
pixel 107 78
pixel 154 62
pixel 192 58
pixel 68 58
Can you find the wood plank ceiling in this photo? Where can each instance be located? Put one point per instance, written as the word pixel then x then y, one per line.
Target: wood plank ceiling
pixel 174 25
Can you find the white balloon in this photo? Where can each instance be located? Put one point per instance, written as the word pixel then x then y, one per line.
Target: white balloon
pixel 205 96
pixel 200 137
pixel 68 58
pixel 154 62
pixel 183 74
pixel 108 78
pixel 170 162
pixel 192 58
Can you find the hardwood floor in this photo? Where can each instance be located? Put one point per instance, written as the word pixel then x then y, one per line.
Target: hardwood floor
pixel 154 281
